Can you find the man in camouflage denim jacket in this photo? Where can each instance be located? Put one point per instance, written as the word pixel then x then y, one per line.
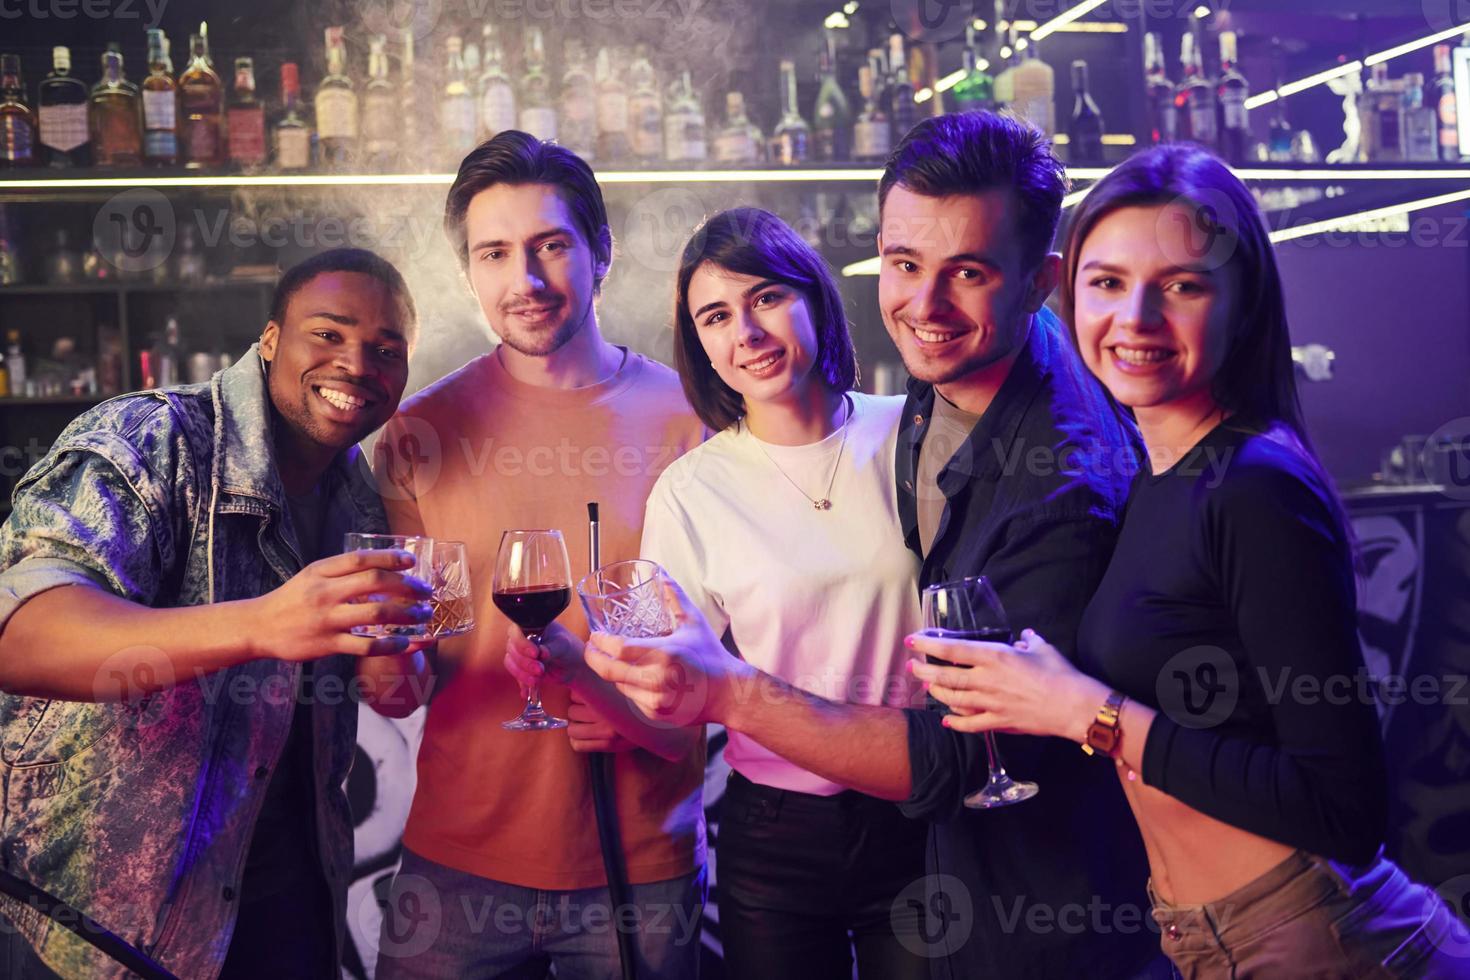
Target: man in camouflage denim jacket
pixel 159 605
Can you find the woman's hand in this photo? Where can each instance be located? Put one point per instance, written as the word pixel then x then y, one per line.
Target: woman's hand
pixel 1028 688
pixel 558 656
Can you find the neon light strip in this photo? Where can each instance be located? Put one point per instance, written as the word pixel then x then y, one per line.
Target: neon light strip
pixel 1316 227
pixel 1266 98
pixel 1060 21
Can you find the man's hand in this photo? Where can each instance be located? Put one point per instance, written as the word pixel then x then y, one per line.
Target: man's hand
pixel 685 678
pixel 312 615
pixel 590 731
pixel 558 657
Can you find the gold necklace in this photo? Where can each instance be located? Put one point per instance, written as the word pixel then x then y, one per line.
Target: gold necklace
pixel 825 501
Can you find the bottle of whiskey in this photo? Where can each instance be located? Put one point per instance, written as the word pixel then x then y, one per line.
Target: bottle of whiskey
pixel 201 109
pixel 739 140
pixel 1084 133
pixel 497 94
pixel 17 122
pixel 789 144
pixel 903 111
pixel 684 126
pixel 538 115
pixel 292 136
pixel 113 115
pixel 645 109
pixel 1034 90
pixel 1163 115
pixel 160 105
pixel 380 119
pixel 1195 97
pixel 246 120
pixel 336 107
pixel 578 118
pixel 1442 97
pixel 613 144
pixel 457 122
pixel 1231 90
pixel 62 108
pixel 832 115
pixel 1420 123
pixel 872 136
pixel 976 90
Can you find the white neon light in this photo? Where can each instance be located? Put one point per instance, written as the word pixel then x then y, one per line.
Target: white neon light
pixel 1057 23
pixel 951 80
pixel 867 267
pixel 1317 227
pixel 1423 42
pixel 1388 54
pixel 924 95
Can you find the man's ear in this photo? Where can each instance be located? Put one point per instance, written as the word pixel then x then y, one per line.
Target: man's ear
pixel 268 339
pixel 1048 274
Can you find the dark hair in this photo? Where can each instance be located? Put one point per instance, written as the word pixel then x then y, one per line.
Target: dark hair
pixel 1256 382
pixel 346 260
pixel 513 157
pixel 754 242
pixel 972 152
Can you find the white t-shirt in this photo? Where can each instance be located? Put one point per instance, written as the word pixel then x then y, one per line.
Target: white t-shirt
pixel 821 599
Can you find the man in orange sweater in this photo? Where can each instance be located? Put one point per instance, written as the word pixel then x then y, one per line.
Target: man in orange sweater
pixel 502 836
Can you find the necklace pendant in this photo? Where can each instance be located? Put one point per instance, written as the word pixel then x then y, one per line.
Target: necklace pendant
pixel 823 504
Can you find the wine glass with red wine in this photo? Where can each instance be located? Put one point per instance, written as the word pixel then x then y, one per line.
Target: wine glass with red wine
pixel 533 584
pixel 969 609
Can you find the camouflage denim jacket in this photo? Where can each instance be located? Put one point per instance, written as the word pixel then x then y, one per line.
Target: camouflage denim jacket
pixel 140 813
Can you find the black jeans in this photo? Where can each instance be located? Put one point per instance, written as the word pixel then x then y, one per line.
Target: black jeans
pixel 804 880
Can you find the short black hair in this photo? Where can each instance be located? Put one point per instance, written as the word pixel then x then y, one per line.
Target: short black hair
pixel 973 152
pixel 347 260
pixel 513 157
pixel 754 242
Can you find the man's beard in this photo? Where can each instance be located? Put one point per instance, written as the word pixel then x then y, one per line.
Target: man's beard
pixel 532 345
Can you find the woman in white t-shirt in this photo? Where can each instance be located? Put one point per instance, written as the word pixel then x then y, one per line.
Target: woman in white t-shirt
pixel 784 528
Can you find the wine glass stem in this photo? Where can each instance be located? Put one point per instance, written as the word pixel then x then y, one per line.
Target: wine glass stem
pixel 997 768
pixel 533 696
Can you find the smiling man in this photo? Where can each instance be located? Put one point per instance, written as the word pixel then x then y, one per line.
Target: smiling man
pixel 170 576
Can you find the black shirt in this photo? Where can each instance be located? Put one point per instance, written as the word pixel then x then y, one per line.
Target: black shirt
pixel 1056 885
pixel 1230 606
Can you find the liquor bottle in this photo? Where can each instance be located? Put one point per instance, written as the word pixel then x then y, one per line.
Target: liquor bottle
pixel 645 109
pixel 15 360
pixel 113 115
pixel 538 115
pixel 246 119
pixel 976 90
pixel 1386 99
pixel 872 136
pixel 160 105
pixel 832 115
pixel 10 260
pixel 380 101
pixel 577 120
pixel 1034 88
pixel 903 112
pixel 1442 98
pixel 201 109
pixel 457 122
pixel 684 127
pixel 1419 123
pixel 410 131
pixel 613 144
pixel 739 140
pixel 790 141
pixel 17 122
pixel 166 356
pixel 497 94
pixel 1163 115
pixel 292 136
pixel 1084 133
pixel 1231 91
pixel 62 107
pixel 1195 97
pixel 1007 59
pixel 336 107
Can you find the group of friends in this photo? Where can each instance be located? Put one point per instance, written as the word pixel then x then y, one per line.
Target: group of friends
pixel 1132 475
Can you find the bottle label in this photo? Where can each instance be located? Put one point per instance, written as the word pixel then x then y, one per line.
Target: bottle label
pixel 336 114
pixel 161 144
pixel 684 137
pixel 379 123
pixel 17 139
pixel 1449 123
pixel 578 122
pixel 1202 120
pixel 1232 110
pixel 612 112
pixel 735 147
pixel 647 129
pixel 457 115
pixel 160 110
pixel 539 121
pixel 201 139
pixel 247 135
pixel 293 148
pixel 497 109
pixel 64 127
pixel 871 139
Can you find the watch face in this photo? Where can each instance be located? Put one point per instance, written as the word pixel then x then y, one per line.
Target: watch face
pixel 1102 738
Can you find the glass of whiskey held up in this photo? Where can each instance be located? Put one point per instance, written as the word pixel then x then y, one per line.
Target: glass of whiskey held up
pixel 453 601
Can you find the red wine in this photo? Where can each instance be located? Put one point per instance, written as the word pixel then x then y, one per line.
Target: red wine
pixel 533 607
pixel 991 634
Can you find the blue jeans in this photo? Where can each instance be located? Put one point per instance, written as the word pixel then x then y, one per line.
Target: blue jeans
pixel 443 923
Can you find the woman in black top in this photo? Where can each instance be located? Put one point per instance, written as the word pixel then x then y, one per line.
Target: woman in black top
pixel 1220 664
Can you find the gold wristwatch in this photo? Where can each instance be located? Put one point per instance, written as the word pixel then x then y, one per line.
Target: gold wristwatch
pixel 1104 735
